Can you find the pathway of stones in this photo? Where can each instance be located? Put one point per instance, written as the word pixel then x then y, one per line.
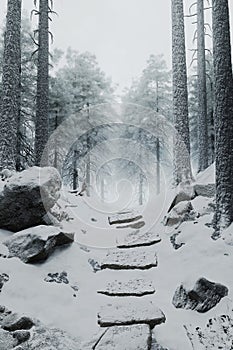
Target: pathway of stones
pixel 129 322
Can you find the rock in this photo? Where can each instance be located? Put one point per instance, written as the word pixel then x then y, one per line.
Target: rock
pixel 184 193
pixel 21 336
pixel 181 212
pixel 7 341
pixel 57 277
pixel 136 337
pixel 156 346
pixel 205 190
pixel 27 197
pixel 202 297
pixel 124 217
pixel 133 258
pixel 3 279
pixel 135 225
pixel 174 243
pixel 136 287
pixel 94 264
pixel 14 322
pixel 127 312
pixel 37 243
pixel 138 239
pixel 43 338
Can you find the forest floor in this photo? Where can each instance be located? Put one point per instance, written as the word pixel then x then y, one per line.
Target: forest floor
pixel 75 310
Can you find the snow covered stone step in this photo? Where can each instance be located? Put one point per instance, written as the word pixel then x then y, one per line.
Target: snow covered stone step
pixel 136 337
pixel 124 217
pixel 125 312
pixel 133 258
pixel 133 287
pixel 137 239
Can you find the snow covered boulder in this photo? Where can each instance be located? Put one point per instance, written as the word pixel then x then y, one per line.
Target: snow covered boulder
pixel 37 243
pixel 183 211
pixel 184 193
pixel 205 190
pixel 27 197
pixel 202 297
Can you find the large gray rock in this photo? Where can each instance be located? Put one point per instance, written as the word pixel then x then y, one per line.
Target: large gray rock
pixel 202 297
pixel 27 197
pixel 185 192
pixel 136 337
pixel 125 312
pixel 205 190
pixel 132 258
pixel 14 322
pixel 37 243
pixel 7 340
pixel 183 211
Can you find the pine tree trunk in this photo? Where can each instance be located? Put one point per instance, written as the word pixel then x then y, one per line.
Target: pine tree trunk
pixel 11 81
pixel 223 115
pixel 41 125
pixel 202 94
pixel 182 166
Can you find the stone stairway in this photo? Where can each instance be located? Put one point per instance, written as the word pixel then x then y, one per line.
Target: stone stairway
pixel 129 314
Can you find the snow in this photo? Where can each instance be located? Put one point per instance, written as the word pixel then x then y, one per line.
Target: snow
pixel 54 304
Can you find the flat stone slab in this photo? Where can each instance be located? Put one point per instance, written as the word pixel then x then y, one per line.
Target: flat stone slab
pixel 136 337
pixel 138 239
pixel 124 217
pixel 133 287
pixel 125 312
pixel 133 258
pixel 133 225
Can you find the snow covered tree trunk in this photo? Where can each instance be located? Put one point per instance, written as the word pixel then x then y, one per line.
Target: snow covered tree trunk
pixel 10 99
pixel 202 94
pixel 182 166
pixel 223 114
pixel 42 105
pixel 75 172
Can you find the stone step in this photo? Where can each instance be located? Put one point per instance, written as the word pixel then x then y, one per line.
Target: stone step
pixel 135 337
pixel 133 258
pixel 138 239
pixel 133 225
pixel 127 312
pixel 124 217
pixel 134 287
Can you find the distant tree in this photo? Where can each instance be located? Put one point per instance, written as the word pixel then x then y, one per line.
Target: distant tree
pixel 182 166
pixel 223 83
pixel 10 97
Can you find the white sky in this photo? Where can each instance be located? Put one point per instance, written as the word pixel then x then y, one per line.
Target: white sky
pixel 121 33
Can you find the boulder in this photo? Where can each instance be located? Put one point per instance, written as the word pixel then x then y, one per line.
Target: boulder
pixel 27 197
pixel 13 322
pixel 181 212
pixel 202 297
pixel 205 190
pixel 7 341
pixel 126 312
pixel 185 192
pixel 37 243
pixel 136 337
pixel 3 279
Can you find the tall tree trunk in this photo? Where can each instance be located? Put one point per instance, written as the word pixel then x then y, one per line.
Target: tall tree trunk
pixel 223 83
pixel 42 105
pixel 11 81
pixel 182 166
pixel 202 94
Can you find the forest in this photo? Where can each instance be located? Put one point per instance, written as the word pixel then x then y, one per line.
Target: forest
pixel 116 202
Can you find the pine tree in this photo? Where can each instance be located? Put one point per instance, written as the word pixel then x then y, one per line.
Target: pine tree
pixel 202 92
pixel 42 102
pixel 223 114
pixel 10 98
pixel 182 167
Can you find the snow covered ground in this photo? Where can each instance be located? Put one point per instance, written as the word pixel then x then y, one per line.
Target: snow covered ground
pixel 59 305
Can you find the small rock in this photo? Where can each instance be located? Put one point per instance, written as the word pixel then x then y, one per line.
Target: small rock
pixel 124 217
pixel 57 277
pixel 202 297
pixel 21 336
pixel 3 279
pixel 94 264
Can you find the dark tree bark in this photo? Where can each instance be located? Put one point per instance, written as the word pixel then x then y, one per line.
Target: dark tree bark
pixel 11 81
pixel 182 166
pixel 42 104
pixel 202 93
pixel 223 113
